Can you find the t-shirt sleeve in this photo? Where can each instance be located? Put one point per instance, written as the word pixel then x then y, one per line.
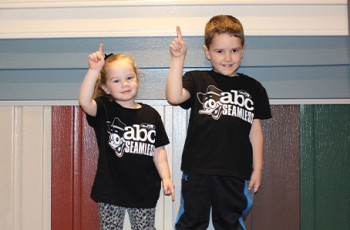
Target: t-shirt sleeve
pixel 188 84
pixel 161 135
pixel 93 120
pixel 263 110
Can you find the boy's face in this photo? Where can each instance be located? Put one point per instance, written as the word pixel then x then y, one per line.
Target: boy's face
pixel 225 53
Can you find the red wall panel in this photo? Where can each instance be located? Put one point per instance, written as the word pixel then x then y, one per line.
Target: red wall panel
pixel 74 156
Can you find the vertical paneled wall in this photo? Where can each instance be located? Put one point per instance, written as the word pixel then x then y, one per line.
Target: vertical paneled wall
pixel 277 204
pixel 322 164
pixel 325 167
pixel 25 167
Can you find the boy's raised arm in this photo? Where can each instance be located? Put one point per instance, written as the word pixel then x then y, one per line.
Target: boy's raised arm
pixel 87 88
pixel 175 93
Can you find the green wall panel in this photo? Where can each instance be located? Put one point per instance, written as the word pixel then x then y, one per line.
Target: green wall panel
pixel 325 167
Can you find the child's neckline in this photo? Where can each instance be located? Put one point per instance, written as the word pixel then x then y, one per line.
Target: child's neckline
pixel 227 76
pixel 133 107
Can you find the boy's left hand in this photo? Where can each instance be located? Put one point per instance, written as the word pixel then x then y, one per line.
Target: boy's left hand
pixel 255 180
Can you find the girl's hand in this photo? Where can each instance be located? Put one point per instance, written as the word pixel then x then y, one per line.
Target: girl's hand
pixel 96 59
pixel 169 188
pixel 178 46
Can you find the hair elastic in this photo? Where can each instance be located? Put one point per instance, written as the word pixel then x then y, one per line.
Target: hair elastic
pixel 108 55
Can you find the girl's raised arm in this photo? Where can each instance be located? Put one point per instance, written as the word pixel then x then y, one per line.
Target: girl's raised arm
pixel 87 87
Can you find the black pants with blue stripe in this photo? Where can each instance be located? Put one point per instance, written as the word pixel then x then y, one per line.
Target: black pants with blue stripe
pixel 227 197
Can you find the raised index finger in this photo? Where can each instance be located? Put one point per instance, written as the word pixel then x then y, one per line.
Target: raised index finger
pixel 178 32
pixel 100 48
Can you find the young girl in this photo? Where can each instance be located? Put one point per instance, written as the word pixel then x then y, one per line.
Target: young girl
pixel 132 161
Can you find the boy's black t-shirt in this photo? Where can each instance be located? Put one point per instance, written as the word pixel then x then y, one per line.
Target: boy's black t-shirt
pixel 222 112
pixel 126 174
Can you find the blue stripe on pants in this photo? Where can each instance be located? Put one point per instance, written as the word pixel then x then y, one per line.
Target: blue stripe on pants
pixel 249 196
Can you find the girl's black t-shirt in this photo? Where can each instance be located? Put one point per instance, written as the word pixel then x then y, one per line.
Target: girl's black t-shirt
pixel 126 174
pixel 222 112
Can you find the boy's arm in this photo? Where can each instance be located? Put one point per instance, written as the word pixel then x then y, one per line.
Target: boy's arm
pixel 175 93
pixel 161 162
pixel 87 88
pixel 256 138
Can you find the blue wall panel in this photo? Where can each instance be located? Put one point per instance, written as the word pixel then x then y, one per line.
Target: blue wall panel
pixel 289 67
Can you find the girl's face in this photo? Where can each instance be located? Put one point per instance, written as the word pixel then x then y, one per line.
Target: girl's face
pixel 225 53
pixel 122 82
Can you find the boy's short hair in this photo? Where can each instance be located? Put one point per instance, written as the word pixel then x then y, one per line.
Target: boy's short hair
pixel 221 24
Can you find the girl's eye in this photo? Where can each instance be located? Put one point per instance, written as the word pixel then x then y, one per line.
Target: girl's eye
pixel 130 77
pixel 116 81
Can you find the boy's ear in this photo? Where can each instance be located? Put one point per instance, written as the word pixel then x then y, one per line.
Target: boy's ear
pixel 242 52
pixel 206 51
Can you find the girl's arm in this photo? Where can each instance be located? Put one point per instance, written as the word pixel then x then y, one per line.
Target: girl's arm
pixel 256 138
pixel 161 162
pixel 87 88
pixel 175 93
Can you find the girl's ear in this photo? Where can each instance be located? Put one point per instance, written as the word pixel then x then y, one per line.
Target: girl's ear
pixel 105 89
pixel 206 52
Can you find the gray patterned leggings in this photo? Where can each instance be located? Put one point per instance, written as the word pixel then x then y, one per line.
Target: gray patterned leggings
pixel 112 217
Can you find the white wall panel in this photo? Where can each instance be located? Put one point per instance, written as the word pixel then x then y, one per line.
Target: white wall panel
pixel 6 169
pixel 25 167
pixel 48 19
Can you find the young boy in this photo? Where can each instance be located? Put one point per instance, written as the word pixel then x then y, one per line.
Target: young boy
pixel 223 154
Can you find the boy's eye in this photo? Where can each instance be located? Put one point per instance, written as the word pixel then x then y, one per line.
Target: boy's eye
pixel 236 50
pixel 116 81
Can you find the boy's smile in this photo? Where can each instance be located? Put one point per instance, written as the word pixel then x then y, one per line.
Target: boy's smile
pixel 225 53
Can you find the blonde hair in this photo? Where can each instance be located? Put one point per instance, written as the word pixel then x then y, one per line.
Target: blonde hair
pixel 221 24
pixel 102 78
